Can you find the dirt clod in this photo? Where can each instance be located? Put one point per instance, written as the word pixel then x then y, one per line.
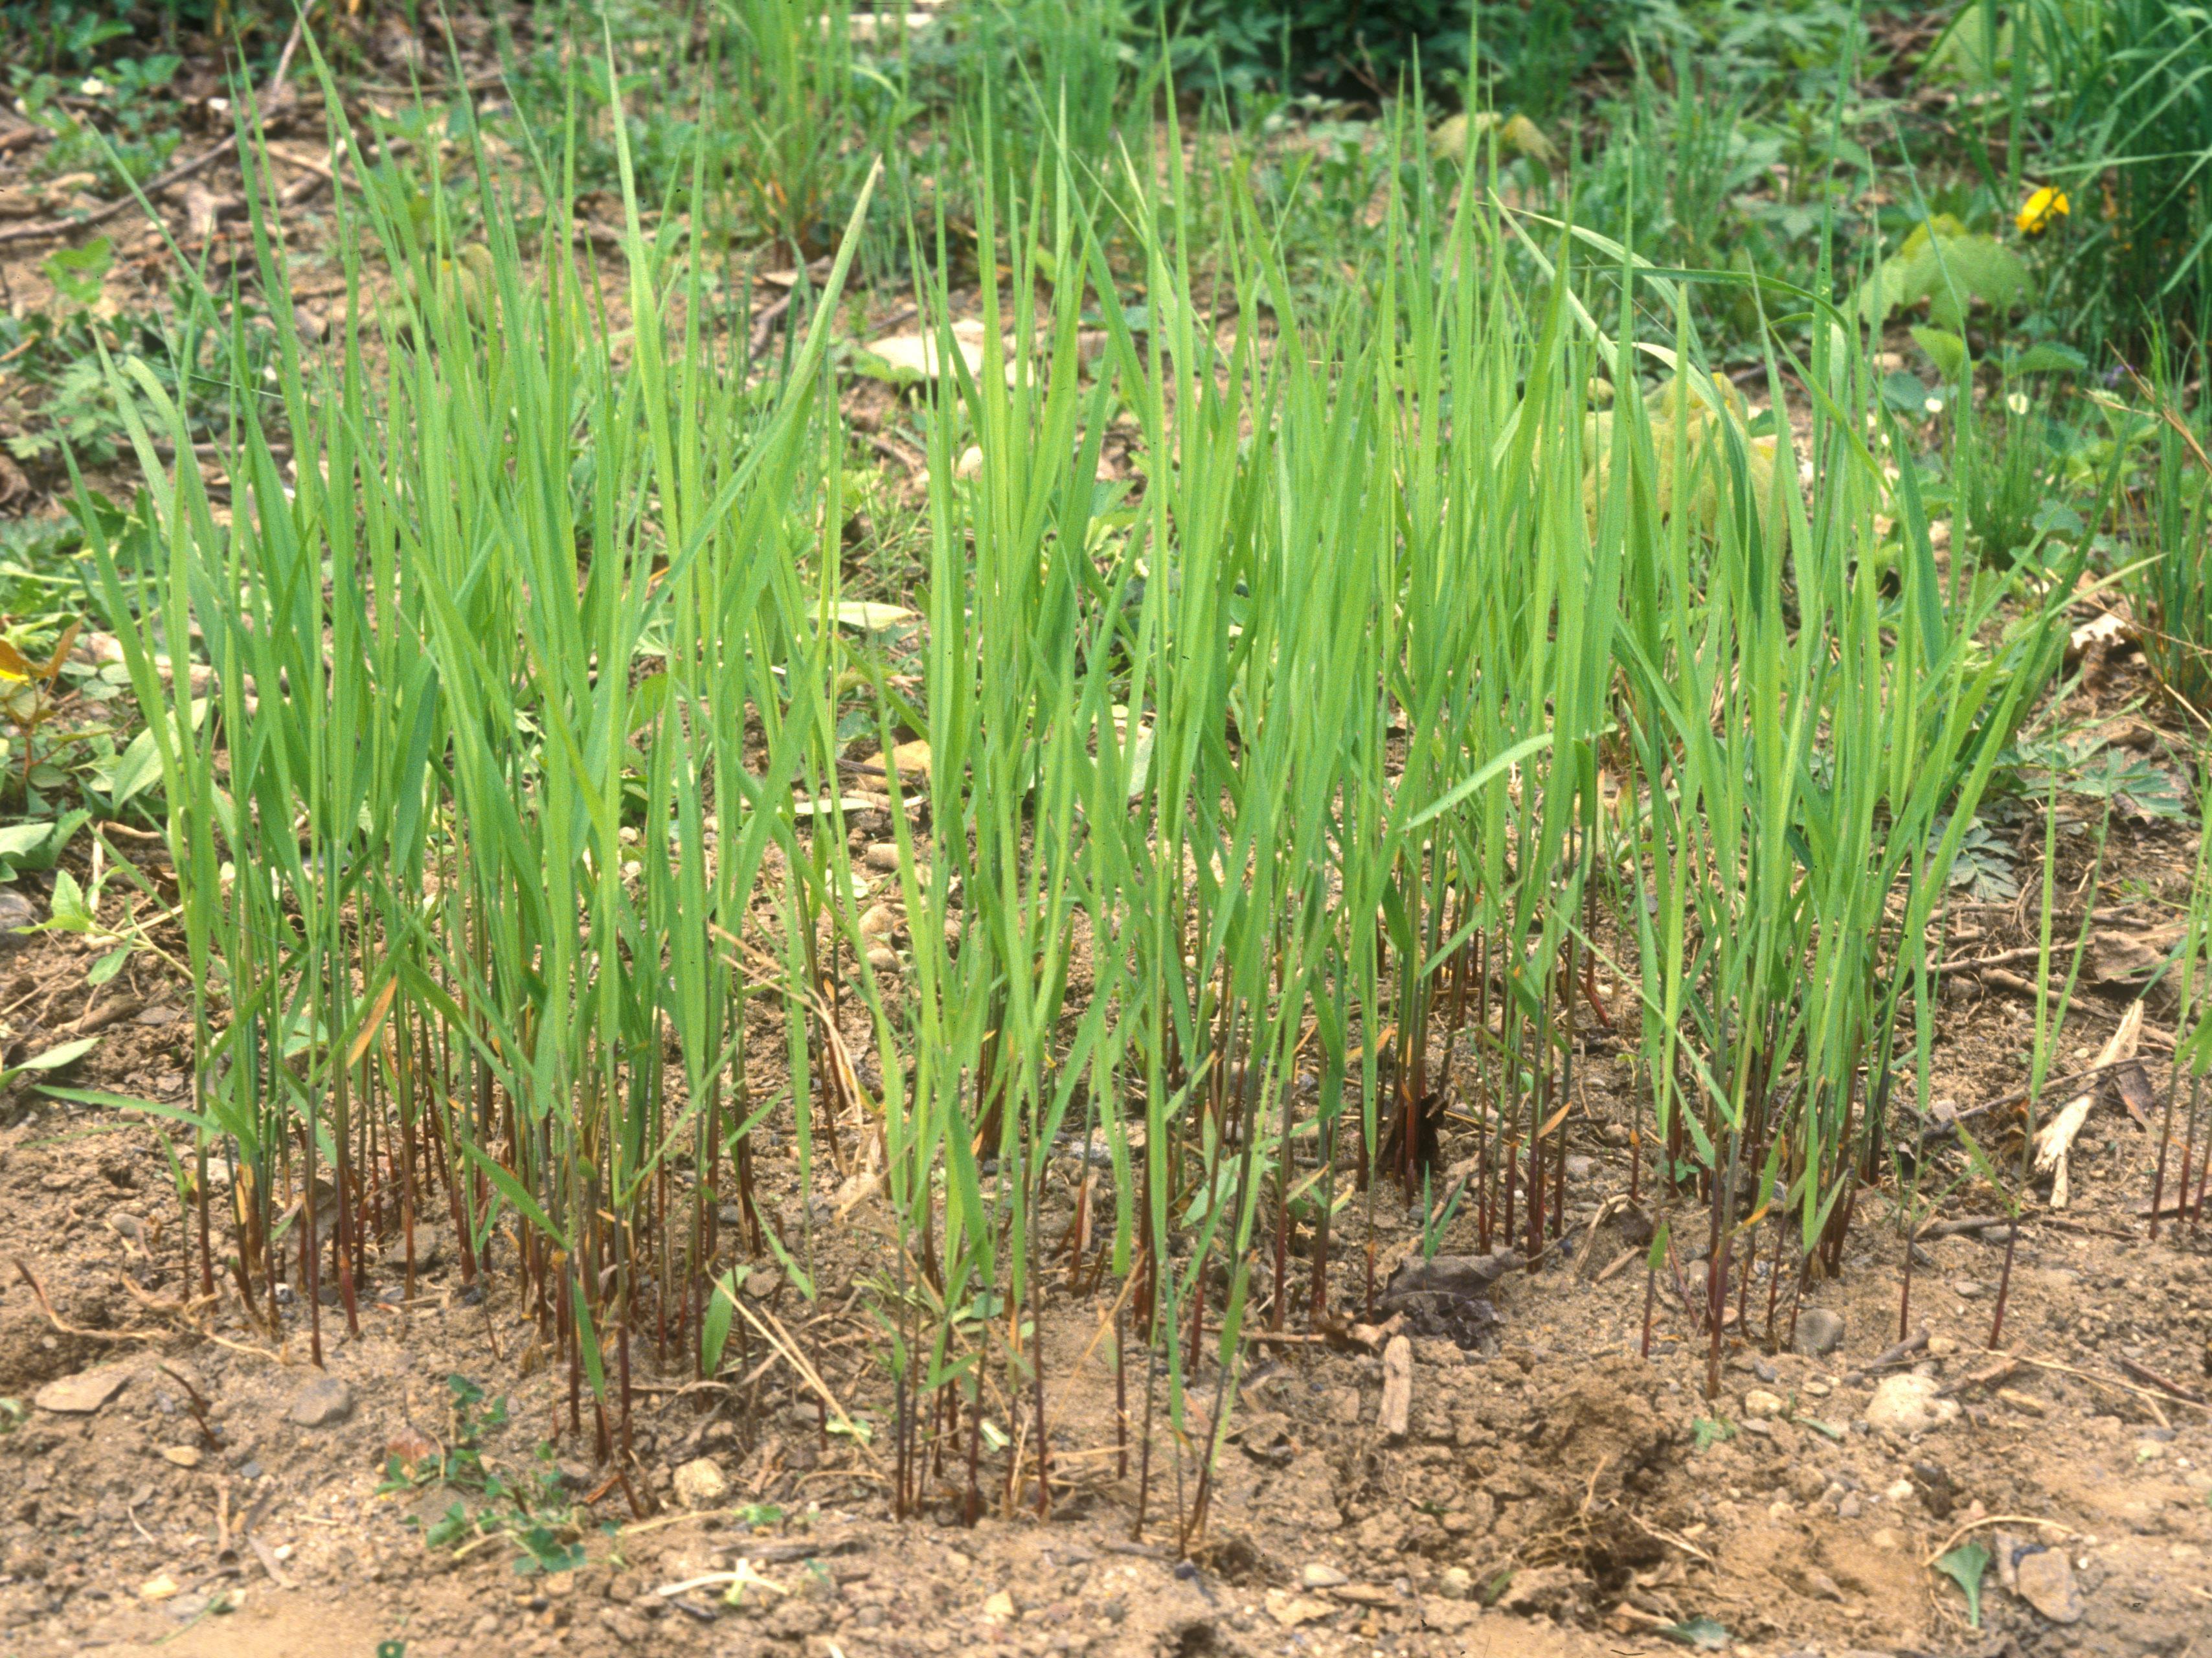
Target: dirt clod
pixel 1910 1403
pixel 325 1401
pixel 2046 1580
pixel 701 1483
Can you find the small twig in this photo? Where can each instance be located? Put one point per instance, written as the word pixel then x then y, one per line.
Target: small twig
pixel 46 229
pixel 293 158
pixel 2144 1394
pixel 884 447
pixel 764 327
pixel 114 1013
pixel 780 1338
pixel 46 1307
pixel 745 1576
pixel 1939 1126
pixel 1935 1229
pixel 1665 1536
pixel 49 229
pixel 1995 1520
pixel 1616 1263
pixel 1981 963
pixel 267 1556
pixel 1892 1355
pixel 2008 981
pixel 2144 1374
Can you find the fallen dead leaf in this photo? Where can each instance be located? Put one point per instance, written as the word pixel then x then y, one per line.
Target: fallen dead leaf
pixel 912 759
pixel 2107 629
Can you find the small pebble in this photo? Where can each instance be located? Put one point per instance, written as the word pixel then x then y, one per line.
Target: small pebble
pixel 701 1483
pixel 16 910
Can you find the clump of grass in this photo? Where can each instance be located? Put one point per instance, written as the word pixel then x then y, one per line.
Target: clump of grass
pixel 1271 809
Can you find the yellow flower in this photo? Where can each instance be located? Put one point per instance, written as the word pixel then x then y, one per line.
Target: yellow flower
pixel 2036 214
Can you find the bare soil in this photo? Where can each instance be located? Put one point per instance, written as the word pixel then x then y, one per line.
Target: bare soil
pixel 1554 1492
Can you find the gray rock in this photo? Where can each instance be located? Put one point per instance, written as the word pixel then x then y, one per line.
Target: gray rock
pixel 323 1401
pixel 2046 1582
pixel 16 910
pixel 1819 1331
pixel 81 1394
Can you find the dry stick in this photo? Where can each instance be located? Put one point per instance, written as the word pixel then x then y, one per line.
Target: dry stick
pixel 2144 1374
pixel 48 229
pixel 2150 1399
pixel 1896 1354
pixel 1995 1520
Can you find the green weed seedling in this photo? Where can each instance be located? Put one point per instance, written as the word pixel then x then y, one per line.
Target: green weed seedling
pixel 528 1508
